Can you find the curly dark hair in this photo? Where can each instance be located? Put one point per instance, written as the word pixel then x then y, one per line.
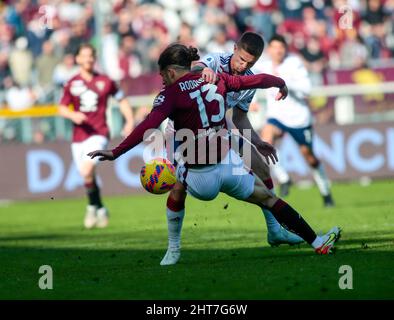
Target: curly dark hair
pixel 179 55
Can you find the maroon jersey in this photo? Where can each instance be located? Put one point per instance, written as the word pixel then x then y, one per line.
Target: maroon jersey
pixel 91 98
pixel 194 104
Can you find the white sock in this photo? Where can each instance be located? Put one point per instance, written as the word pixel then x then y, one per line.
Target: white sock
pixel 272 224
pixel 280 173
pixel 174 222
pixel 317 243
pixel 321 180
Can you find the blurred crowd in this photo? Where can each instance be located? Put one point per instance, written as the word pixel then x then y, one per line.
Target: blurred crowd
pixel 39 37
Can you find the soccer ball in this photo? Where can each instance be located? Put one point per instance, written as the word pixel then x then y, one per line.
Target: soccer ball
pixel 158 176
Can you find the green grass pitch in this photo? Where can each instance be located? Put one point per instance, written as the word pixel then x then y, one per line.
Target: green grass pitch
pixel 225 253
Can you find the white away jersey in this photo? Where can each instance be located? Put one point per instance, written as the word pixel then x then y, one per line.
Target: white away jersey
pixel 294 111
pixel 220 62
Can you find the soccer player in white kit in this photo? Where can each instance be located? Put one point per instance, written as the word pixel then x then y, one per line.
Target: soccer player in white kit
pixel 241 62
pixel 293 115
pixel 247 51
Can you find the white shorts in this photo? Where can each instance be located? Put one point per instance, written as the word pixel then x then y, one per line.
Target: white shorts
pixel 81 149
pixel 230 177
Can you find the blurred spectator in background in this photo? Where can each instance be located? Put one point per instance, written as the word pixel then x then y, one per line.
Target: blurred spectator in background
pixel 21 62
pixel 243 14
pixel 129 61
pixel 175 13
pixel 6 36
pixel 20 97
pixel 150 46
pixel 374 28
pixel 45 65
pixel 133 33
pixel 5 76
pixel 263 17
pixel 389 9
pixel 213 18
pixel 109 53
pixel 326 43
pixel 79 35
pixel 185 35
pixel 158 45
pixel 353 53
pixel 13 17
pixel 124 23
pixel 220 43
pixel 314 60
pixel 209 24
pixel 70 11
pixel 36 35
pixel 60 39
pixel 65 70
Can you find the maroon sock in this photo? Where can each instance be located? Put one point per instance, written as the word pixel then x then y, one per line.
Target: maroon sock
pixel 292 221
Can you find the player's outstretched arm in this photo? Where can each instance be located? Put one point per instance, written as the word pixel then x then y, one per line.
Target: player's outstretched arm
pixel 153 120
pixel 158 114
pixel 257 81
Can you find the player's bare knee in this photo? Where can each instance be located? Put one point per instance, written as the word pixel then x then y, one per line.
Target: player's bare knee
pixel 87 175
pixel 261 195
pixel 178 192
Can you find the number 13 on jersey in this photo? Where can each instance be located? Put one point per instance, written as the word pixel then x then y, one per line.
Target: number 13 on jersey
pixel 210 96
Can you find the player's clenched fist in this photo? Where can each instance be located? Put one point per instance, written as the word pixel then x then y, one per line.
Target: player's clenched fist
pixel 209 75
pixel 282 94
pixel 79 117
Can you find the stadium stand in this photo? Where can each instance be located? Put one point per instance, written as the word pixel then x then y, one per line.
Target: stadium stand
pixel 38 38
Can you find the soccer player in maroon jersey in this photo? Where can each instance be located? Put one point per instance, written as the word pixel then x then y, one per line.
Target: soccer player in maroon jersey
pixel 200 107
pixel 89 92
pixel 247 51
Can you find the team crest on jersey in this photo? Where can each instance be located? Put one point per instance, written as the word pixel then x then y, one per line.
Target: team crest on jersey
pixel 100 85
pixel 77 88
pixel 159 100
